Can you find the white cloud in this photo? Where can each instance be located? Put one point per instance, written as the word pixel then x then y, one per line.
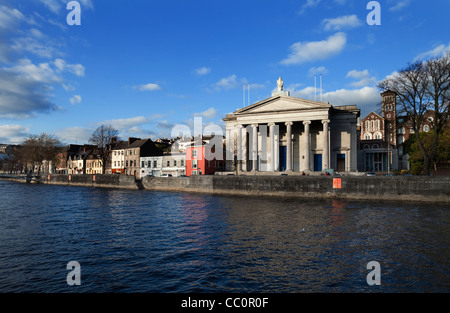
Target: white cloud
pixel 227 83
pixel 74 135
pixel 9 17
pixel 21 95
pixel 57 5
pixel 342 22
pixel 203 71
pixel 302 52
pixel 210 113
pixel 363 78
pixel 126 123
pixel 148 87
pixel 365 98
pixel 400 5
pixel 308 4
pixel 433 53
pixel 13 134
pixel 317 70
pixel 42 73
pixel 76 69
pixel 75 99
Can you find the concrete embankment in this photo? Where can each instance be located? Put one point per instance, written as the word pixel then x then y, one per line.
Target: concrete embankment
pixel 396 188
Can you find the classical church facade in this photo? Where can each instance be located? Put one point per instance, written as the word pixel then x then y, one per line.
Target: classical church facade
pixel 292 135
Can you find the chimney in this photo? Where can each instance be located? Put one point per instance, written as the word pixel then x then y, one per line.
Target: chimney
pixel 132 139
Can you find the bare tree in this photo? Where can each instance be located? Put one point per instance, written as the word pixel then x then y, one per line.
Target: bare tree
pixel 37 149
pixel 102 138
pixel 421 87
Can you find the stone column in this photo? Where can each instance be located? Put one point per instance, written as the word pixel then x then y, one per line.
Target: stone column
pixel 289 146
pixel 326 153
pixel 307 145
pixel 239 152
pixel 276 149
pixel 254 147
pixel 270 162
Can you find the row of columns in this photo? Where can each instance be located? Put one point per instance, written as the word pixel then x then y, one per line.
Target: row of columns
pixel 274 135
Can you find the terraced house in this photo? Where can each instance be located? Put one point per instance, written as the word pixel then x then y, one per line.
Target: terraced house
pixel 136 149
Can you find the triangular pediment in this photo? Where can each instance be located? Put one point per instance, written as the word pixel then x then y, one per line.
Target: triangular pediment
pixel 282 103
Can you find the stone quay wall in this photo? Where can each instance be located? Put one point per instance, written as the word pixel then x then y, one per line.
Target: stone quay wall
pixel 389 188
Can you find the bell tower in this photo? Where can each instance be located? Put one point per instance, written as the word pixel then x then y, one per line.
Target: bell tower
pixel 389 109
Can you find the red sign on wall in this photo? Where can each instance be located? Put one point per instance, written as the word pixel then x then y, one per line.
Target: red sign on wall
pixel 337 183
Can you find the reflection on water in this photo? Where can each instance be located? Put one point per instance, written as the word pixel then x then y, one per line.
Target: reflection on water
pixel 143 241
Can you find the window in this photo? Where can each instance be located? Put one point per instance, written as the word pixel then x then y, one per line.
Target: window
pixel 149 164
pixel 194 163
pixel 377 135
pixel 174 163
pixel 126 163
pixel 426 128
pixel 155 163
pixel 194 153
pixel 168 163
pixel 182 162
pixel 115 163
pixel 143 164
pixel 115 153
pixel 367 137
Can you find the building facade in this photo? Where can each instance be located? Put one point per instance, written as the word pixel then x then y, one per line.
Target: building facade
pixel 382 137
pixel 288 134
pixel 136 149
pixel 201 158
pixel 151 166
pixel 174 164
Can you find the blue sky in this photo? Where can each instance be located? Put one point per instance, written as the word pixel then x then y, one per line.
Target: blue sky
pixel 144 66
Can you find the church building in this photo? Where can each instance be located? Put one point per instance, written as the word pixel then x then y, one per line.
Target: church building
pixel 292 135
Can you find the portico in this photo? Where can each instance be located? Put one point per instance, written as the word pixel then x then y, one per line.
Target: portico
pixel 288 134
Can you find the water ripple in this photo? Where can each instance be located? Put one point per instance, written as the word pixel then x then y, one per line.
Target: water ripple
pixel 144 241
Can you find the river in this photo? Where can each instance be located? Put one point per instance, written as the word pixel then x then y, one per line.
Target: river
pixel 144 241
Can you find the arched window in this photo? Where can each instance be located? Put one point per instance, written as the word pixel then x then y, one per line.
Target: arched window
pixel 367 137
pixel 426 128
pixel 377 135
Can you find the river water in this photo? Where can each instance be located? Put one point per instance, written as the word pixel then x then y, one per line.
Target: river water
pixel 161 242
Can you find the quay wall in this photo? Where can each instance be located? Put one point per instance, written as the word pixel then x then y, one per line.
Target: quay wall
pixel 389 188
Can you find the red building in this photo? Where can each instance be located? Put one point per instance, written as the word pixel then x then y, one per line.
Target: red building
pixel 201 159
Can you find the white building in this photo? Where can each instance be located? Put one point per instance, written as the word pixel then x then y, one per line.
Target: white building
pixel 151 166
pixel 288 134
pixel 174 164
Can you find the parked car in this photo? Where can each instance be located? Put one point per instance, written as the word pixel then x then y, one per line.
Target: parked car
pixel 166 175
pixel 371 174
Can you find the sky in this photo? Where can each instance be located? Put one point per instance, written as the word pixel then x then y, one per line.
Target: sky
pixel 144 66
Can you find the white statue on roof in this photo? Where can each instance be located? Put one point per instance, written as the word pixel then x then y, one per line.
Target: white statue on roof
pixel 280 84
